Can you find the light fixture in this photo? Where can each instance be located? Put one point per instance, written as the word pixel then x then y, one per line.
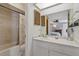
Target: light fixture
pixel 54 25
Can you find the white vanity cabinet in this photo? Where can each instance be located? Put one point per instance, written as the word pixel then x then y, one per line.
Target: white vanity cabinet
pixel 43 48
pixel 40 48
pixel 62 50
pixel 54 53
pixel 54 50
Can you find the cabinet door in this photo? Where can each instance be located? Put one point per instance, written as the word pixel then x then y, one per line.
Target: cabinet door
pixel 36 17
pixel 55 53
pixel 39 49
pixel 43 20
pixel 64 49
pixel 8 28
pixel 56 50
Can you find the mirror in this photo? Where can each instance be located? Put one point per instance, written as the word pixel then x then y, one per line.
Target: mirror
pixel 57 24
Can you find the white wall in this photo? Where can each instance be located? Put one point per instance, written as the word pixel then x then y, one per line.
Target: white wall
pixel 75 34
pixel 29 27
pixel 75 7
pixel 37 28
pixel 76 17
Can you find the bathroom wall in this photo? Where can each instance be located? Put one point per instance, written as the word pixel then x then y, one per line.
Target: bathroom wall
pixel 75 13
pixel 76 17
pixel 37 28
pixel 29 27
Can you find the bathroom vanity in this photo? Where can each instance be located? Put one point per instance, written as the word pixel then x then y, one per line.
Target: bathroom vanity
pixel 50 46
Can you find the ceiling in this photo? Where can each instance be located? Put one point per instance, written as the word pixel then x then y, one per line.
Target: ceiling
pixel 44 5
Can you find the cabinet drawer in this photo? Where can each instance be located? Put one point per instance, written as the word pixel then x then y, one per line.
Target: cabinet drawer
pixel 67 50
pixel 55 53
pixel 39 48
pixel 40 43
pixel 40 51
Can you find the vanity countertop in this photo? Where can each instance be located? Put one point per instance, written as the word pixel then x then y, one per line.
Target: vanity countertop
pixel 58 41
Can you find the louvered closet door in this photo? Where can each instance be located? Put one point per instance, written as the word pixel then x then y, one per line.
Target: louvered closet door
pixel 8 28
